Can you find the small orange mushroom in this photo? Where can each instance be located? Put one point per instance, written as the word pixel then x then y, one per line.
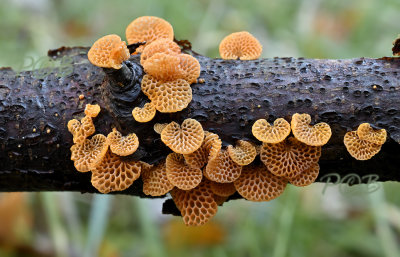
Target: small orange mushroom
pixel 209 149
pixel 88 154
pixel 115 174
pixel 155 181
pixel 144 114
pixel 268 133
pixel 306 177
pixel 257 184
pixel 367 133
pixel 316 135
pixel 240 45
pixel 148 29
pixel 180 174
pixel 92 110
pixel 168 67
pixel 164 67
pixel 197 206
pixel 163 45
pixel 158 127
pixel 213 143
pixel 243 154
pixel 108 52
pixel 184 139
pixel 167 97
pixel 289 158
pixel 81 130
pixel 360 149
pixel 74 127
pixel 122 145
pixel 223 169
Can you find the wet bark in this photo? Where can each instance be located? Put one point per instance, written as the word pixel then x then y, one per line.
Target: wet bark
pixel 35 142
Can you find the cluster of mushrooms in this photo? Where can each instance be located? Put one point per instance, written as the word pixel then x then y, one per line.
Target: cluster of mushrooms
pixel 199 174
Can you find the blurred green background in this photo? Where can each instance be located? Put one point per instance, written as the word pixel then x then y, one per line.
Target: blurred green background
pixel 302 222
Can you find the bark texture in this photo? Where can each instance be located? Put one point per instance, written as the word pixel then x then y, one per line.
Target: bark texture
pixel 35 142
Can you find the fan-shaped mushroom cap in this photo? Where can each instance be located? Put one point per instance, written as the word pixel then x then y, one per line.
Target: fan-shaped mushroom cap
pixel 243 154
pixel 144 114
pixel 122 145
pixel 74 127
pixel 148 29
pixel 163 45
pixel 168 67
pixel 306 177
pixel 190 67
pixel 164 67
pixel 146 166
pixel 257 184
pixel 180 174
pixel 155 181
pixel 158 127
pixel 213 143
pixel 240 45
pixel 81 130
pixel 208 151
pixel 115 174
pixel 360 149
pixel 92 110
pixel 223 169
pixel 367 133
pixel 150 86
pixel 197 206
pixel 108 52
pixel 289 158
pixel 178 196
pixel 222 189
pixel 183 139
pixel 167 97
pixel 89 153
pixel 316 135
pixel 268 133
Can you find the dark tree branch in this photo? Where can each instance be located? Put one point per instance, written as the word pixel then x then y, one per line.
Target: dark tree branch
pixel 35 142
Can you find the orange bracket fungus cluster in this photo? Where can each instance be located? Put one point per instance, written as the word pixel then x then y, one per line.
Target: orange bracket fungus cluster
pixel 200 174
pixel 169 72
pixel 292 158
pixel 365 142
pixel 102 155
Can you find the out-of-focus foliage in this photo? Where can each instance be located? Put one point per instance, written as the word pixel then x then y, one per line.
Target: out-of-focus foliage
pixel 302 222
